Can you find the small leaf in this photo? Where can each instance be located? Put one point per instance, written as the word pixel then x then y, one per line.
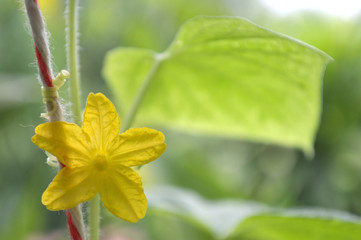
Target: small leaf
pixel 226 76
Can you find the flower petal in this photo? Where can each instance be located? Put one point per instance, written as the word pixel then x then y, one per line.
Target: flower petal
pixel 137 146
pixel 122 194
pixel 64 140
pixel 101 121
pixel 69 188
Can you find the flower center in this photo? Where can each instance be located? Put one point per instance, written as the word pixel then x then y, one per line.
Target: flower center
pixel 100 162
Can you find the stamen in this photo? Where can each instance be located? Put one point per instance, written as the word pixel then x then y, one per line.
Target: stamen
pixel 100 162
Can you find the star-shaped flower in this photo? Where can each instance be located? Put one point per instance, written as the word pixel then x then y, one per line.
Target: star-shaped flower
pixel 97 159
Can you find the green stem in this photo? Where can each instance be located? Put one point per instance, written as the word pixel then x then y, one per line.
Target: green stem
pixel 72 29
pixel 140 95
pixel 94 206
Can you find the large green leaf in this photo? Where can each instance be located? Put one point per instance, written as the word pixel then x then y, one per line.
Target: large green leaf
pixel 275 227
pixel 225 76
pixel 234 220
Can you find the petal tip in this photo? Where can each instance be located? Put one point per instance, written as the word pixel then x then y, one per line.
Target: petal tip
pixel 133 218
pixel 38 128
pixel 91 95
pixel 164 147
pixel 97 95
pixel 34 139
pixel 46 201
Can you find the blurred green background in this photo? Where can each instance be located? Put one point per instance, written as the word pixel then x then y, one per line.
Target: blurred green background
pixel 212 167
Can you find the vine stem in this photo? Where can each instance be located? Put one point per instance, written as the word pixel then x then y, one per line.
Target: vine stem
pixel 140 95
pixel 50 94
pixel 73 59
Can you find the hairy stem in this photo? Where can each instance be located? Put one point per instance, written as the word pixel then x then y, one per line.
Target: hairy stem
pixel 72 43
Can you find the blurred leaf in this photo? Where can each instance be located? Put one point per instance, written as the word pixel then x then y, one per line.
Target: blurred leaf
pixel 231 220
pixel 226 76
pixel 273 227
pixel 16 89
pixel 178 227
pixel 219 217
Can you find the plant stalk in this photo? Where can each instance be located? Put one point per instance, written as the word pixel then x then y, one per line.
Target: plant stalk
pixel 94 206
pixel 73 59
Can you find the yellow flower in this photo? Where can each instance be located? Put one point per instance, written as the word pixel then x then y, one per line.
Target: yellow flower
pixel 97 159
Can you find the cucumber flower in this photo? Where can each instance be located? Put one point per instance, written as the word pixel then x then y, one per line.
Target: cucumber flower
pixel 97 159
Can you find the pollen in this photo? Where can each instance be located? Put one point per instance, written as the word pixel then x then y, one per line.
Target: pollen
pixel 100 162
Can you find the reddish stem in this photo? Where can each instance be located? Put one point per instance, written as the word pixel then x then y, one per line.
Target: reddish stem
pixel 43 68
pixel 72 229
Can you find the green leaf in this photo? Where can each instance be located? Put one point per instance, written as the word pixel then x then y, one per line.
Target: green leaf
pixel 276 227
pixel 225 76
pixel 220 218
pixel 233 219
pixel 177 226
